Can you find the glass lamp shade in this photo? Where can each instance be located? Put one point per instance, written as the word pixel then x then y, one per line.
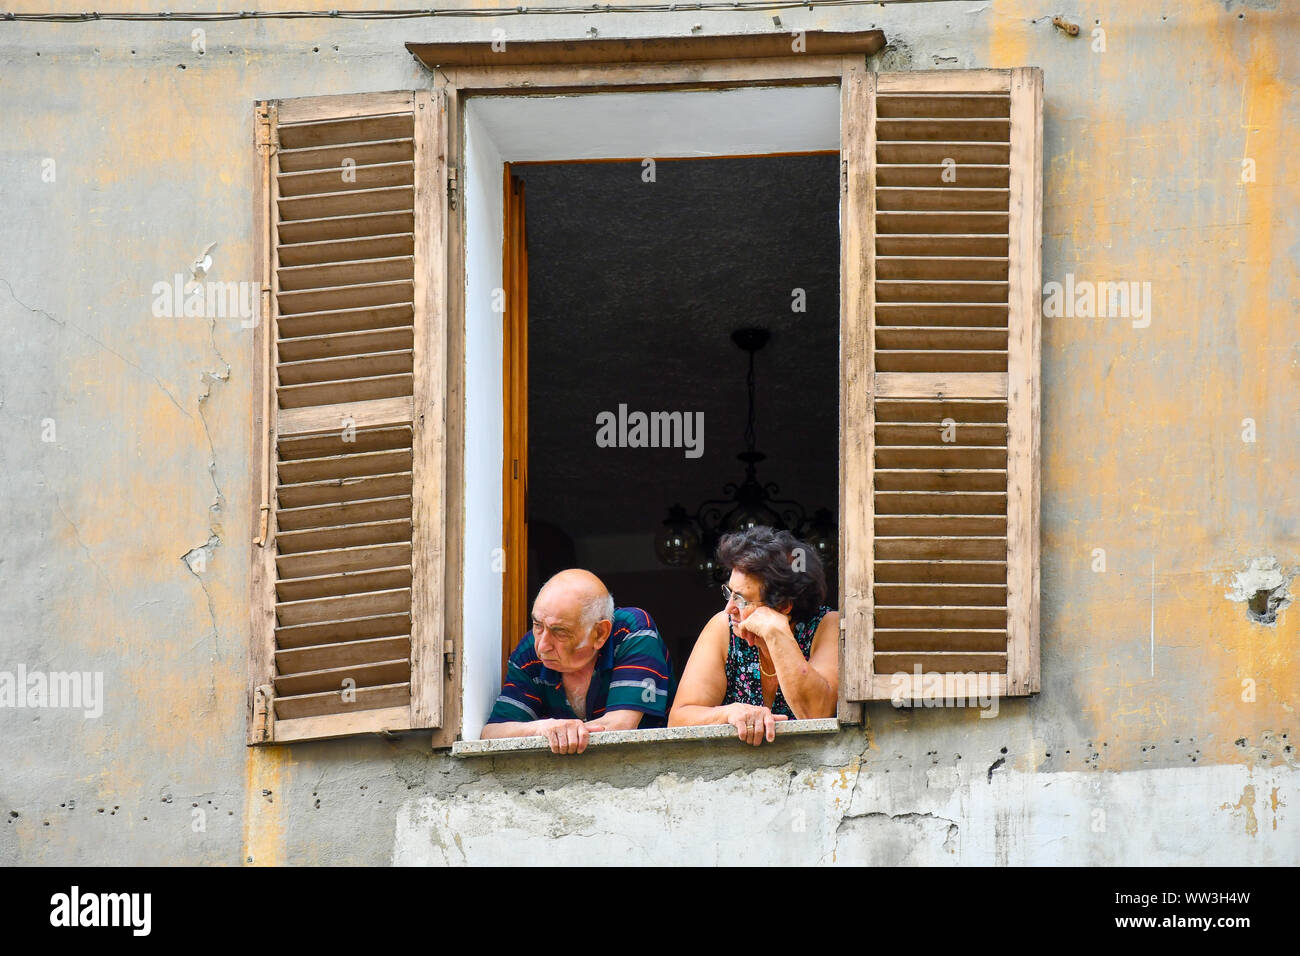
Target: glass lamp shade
pixel 676 545
pixel 822 538
pixel 752 516
pixel 708 570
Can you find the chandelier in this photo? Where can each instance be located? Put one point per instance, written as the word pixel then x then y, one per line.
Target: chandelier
pixel 691 540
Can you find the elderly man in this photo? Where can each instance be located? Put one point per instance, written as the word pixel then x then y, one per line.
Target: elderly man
pixel 584 667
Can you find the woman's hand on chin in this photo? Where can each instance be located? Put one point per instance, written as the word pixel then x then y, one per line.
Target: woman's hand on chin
pixel 763 626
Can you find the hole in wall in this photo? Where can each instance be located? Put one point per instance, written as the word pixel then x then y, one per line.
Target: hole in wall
pixel 1263 587
pixel 1263 605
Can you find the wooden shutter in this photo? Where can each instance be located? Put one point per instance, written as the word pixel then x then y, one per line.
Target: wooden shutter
pixel 940 455
pixel 350 408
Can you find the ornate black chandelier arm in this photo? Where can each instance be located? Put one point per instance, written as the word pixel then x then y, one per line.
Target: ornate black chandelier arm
pixel 751 435
pixel 691 539
pixel 710 515
pixel 792 513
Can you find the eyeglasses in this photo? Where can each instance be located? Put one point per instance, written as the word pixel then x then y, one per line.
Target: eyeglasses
pixel 741 602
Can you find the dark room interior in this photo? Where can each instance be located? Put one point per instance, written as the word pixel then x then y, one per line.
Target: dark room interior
pixel 634 290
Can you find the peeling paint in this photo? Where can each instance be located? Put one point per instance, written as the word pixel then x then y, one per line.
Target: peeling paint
pixel 1246 808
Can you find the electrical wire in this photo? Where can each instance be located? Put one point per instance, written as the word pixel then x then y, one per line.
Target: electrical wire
pixel 730 6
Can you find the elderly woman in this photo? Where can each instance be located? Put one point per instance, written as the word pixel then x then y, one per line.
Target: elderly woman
pixel 773 653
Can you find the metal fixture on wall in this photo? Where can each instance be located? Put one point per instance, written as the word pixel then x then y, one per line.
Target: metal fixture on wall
pixel 691 540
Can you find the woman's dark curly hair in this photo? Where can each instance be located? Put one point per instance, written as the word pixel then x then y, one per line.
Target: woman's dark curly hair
pixel 772 557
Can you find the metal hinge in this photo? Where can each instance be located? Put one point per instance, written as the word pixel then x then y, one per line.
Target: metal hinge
pixel 844 175
pixel 449 649
pixel 451 186
pixel 266 128
pixel 263 702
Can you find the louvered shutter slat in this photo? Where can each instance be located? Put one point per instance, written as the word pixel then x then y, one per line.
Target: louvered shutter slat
pixel 386 697
pixel 344 582
pixel 346 228
pixel 342 250
pixel 341 561
pixel 329 656
pixel 327 633
pixel 375 153
pixel 359 342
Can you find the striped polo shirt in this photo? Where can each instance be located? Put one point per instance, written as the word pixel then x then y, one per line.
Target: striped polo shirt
pixel 633 672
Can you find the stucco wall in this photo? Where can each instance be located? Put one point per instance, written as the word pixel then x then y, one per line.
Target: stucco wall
pixel 123 541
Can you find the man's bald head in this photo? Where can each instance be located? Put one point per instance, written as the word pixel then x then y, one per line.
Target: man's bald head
pixel 582 592
pixel 572 618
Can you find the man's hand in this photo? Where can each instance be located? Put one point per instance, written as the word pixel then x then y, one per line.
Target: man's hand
pixel 566 736
pixel 753 723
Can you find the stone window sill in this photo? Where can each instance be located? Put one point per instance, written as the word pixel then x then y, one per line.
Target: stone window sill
pixel 623 738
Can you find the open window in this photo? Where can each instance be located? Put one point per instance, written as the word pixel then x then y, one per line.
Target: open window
pixel 658 224
pixel 683 319
pixel 387 570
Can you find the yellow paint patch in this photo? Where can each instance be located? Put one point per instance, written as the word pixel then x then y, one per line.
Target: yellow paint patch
pixel 1009 38
pixel 265 773
pixel 852 769
pixel 1247 805
pixel 871 737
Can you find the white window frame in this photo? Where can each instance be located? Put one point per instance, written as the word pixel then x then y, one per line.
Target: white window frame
pixel 502 128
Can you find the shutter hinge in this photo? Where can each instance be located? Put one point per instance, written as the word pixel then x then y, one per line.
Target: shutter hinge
pixel 449 649
pixel 263 524
pixel 267 137
pixel 844 175
pixel 451 186
pixel 263 702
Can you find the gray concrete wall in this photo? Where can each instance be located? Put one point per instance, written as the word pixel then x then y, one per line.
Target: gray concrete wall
pixel 1166 726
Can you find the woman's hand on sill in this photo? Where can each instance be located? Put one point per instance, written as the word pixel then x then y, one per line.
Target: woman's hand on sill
pixel 752 723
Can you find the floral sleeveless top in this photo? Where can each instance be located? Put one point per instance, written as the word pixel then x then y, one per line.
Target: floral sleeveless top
pixel 745 681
